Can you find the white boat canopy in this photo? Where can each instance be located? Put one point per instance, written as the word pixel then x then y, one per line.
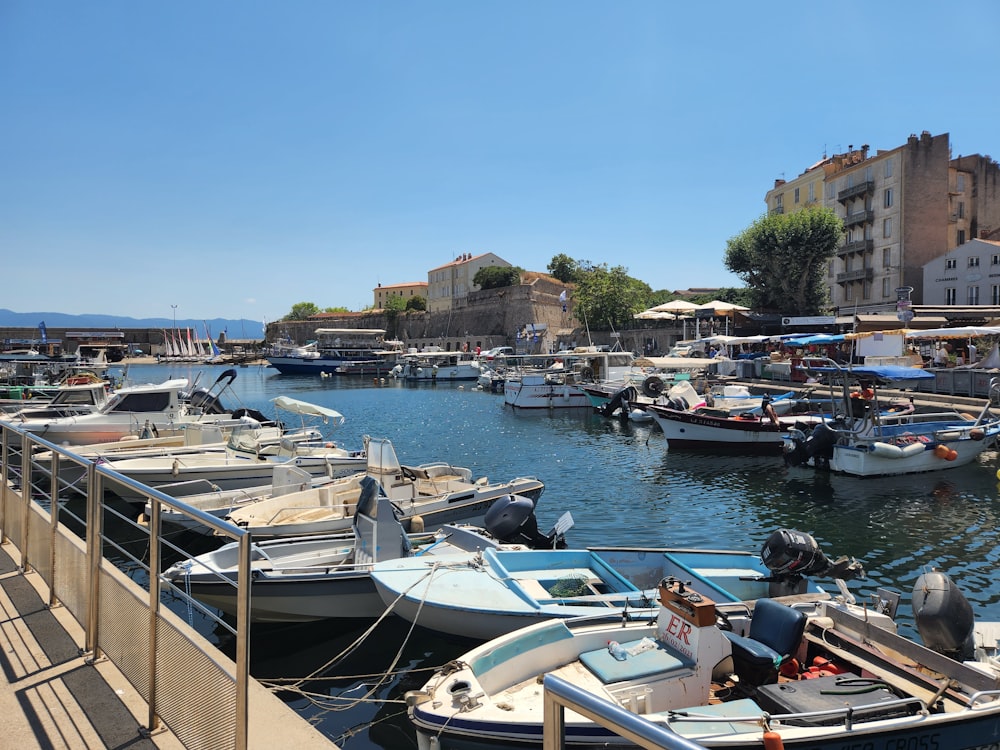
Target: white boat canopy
pixel 306 409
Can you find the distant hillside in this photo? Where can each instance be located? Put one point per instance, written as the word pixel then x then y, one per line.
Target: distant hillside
pixel 235 329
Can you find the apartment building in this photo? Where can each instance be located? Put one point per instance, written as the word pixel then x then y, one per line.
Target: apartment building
pixel 406 291
pixel 453 281
pixel 901 208
pixel 968 275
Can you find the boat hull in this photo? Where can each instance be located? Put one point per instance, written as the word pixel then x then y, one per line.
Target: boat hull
pixel 685 429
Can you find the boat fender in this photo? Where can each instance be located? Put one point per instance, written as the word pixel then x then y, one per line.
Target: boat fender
pixel 941 450
pixel 977 434
pixel 772 741
pixel 912 449
pixel 886 450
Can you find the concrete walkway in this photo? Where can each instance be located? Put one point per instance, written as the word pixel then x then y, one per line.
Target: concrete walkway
pixel 50 698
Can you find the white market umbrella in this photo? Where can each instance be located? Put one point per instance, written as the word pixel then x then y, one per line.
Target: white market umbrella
pixel 675 306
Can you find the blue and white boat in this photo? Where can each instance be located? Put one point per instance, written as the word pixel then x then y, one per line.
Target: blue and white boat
pixel 867 439
pixel 820 675
pixel 491 592
pixel 338 351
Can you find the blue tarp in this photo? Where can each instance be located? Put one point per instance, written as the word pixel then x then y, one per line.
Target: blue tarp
pixel 880 373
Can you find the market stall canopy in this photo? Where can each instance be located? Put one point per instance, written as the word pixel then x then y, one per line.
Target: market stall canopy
pixel 676 306
pixel 961 332
pixel 675 363
pixel 819 339
pixel 721 308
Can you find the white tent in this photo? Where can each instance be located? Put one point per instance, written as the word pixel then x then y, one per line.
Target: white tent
pixel 676 306
pixel 961 332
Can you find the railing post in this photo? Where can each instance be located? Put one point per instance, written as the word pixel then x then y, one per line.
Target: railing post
pixel 94 537
pixel 54 465
pixel 25 500
pixel 243 642
pixel 4 486
pixel 153 720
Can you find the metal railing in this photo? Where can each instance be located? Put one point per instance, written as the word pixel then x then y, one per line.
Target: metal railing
pixel 560 695
pixel 87 559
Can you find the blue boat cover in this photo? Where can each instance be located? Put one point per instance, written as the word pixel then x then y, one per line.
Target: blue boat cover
pixel 878 373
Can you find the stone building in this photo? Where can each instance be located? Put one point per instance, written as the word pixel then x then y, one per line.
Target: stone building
pixel 449 284
pixel 901 208
pixel 407 291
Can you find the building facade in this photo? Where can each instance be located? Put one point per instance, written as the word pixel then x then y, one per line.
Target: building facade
pixel 901 209
pixel 407 291
pixel 453 281
pixel 968 275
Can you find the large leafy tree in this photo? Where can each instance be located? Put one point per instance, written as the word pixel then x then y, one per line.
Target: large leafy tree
pixel 495 277
pixel 302 311
pixel 607 298
pixel 564 268
pixel 783 259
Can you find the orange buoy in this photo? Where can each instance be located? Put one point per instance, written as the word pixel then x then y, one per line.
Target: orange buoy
pixel 952 454
pixel 941 450
pixel 772 741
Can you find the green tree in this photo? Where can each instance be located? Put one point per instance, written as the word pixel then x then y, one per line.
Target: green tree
pixel 495 277
pixel 302 311
pixel 608 298
pixel 783 260
pixel 564 268
pixel 335 309
pixel 417 302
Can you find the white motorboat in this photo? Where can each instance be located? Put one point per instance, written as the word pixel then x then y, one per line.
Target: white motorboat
pixel 866 439
pixel 485 594
pixel 555 381
pixel 148 409
pixel 438 367
pixel 247 460
pixel 426 496
pixel 801 675
pixel 325 576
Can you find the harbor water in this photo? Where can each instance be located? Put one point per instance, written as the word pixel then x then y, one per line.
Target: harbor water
pixel 623 487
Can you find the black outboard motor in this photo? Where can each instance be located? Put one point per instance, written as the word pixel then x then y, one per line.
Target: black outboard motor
pixel 208 402
pixel 817 446
pixel 255 415
pixel 511 519
pixel 792 555
pixel 943 616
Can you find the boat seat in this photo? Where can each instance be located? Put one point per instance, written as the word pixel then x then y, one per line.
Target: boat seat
pixel 775 634
pixel 658 661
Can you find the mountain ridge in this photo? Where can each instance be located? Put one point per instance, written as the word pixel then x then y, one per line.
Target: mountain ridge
pixel 239 328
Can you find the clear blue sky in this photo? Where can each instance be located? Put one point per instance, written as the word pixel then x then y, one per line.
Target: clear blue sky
pixel 235 158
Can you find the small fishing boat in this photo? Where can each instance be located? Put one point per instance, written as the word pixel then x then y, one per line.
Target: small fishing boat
pixel 865 439
pixel 327 576
pixel 485 594
pixel 825 674
pixel 429 495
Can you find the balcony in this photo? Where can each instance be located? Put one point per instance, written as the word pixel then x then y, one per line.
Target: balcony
pixel 863 188
pixel 859 217
pixel 779 209
pixel 858 246
pixel 862 274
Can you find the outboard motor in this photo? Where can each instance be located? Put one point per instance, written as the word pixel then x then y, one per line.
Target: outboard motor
pixel 817 446
pixel 255 415
pixel 617 402
pixel 792 555
pixel 943 616
pixel 511 519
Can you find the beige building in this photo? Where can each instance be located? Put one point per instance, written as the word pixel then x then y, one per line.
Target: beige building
pixel 452 282
pixel 901 209
pixel 406 291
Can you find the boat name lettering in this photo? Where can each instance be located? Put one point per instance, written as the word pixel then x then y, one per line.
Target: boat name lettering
pixel 918 742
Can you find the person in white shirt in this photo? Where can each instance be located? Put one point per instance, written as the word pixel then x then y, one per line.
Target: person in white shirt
pixel 973 353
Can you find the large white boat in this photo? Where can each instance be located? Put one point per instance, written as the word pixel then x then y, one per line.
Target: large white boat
pixel 554 381
pixel 338 351
pixel 154 408
pixel 438 366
